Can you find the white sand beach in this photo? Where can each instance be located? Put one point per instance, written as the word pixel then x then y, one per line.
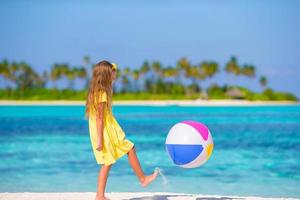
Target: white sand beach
pixel 121 196
pixel 198 102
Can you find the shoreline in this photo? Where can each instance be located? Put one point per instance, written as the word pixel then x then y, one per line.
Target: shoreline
pixel 223 102
pixel 122 196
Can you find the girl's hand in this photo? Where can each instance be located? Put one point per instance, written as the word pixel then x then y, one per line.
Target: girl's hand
pixel 100 145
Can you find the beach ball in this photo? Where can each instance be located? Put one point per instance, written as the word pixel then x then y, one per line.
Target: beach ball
pixel 189 144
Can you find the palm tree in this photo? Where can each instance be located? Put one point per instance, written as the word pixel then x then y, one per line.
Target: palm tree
pixel 24 77
pixel 145 68
pixel 125 83
pixel 45 77
pixel 232 66
pixel 193 72
pixel 182 66
pixel 204 70
pixel 125 79
pixel 209 69
pixel 58 71
pixel 248 70
pixel 13 70
pixel 157 75
pixel 157 68
pixel 4 70
pixel 126 71
pixel 79 72
pixel 86 63
pixel 73 73
pixel 169 72
pixel 118 73
pixel 55 74
pixel 263 81
pixel 135 75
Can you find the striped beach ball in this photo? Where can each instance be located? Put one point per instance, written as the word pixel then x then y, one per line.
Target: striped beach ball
pixel 189 144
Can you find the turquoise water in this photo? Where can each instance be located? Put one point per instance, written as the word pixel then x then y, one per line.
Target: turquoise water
pixel 257 150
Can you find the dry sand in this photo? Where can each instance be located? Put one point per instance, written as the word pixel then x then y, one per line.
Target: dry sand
pixel 119 196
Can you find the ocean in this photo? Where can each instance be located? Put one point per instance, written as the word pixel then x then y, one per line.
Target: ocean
pixel 256 150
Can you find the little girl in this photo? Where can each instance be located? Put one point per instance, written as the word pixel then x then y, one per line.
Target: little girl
pixel 107 137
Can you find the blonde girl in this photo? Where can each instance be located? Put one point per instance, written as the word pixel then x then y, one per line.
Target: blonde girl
pixel 108 140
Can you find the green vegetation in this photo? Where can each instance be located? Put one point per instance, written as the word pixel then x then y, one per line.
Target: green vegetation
pixel 152 80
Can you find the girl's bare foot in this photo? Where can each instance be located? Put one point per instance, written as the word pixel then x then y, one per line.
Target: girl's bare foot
pixel 101 198
pixel 148 179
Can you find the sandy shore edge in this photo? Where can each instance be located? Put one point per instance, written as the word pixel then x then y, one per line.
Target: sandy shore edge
pixel 120 196
pixel 156 102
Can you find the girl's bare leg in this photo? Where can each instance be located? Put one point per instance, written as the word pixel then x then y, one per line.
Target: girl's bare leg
pixel 135 164
pixel 102 179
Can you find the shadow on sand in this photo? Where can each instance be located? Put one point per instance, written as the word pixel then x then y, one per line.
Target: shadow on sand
pixel 165 197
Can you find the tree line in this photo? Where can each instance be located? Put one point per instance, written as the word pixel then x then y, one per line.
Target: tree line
pixel 184 78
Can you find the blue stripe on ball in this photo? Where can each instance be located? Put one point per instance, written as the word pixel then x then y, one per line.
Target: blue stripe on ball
pixel 182 154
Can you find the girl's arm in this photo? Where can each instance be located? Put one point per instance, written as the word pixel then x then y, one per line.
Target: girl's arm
pixel 100 125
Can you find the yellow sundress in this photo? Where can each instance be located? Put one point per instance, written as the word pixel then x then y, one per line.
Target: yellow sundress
pixel 115 144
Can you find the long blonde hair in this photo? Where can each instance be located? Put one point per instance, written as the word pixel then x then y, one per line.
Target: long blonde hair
pixel 101 82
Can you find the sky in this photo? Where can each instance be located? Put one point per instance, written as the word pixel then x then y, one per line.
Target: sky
pixel 265 33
